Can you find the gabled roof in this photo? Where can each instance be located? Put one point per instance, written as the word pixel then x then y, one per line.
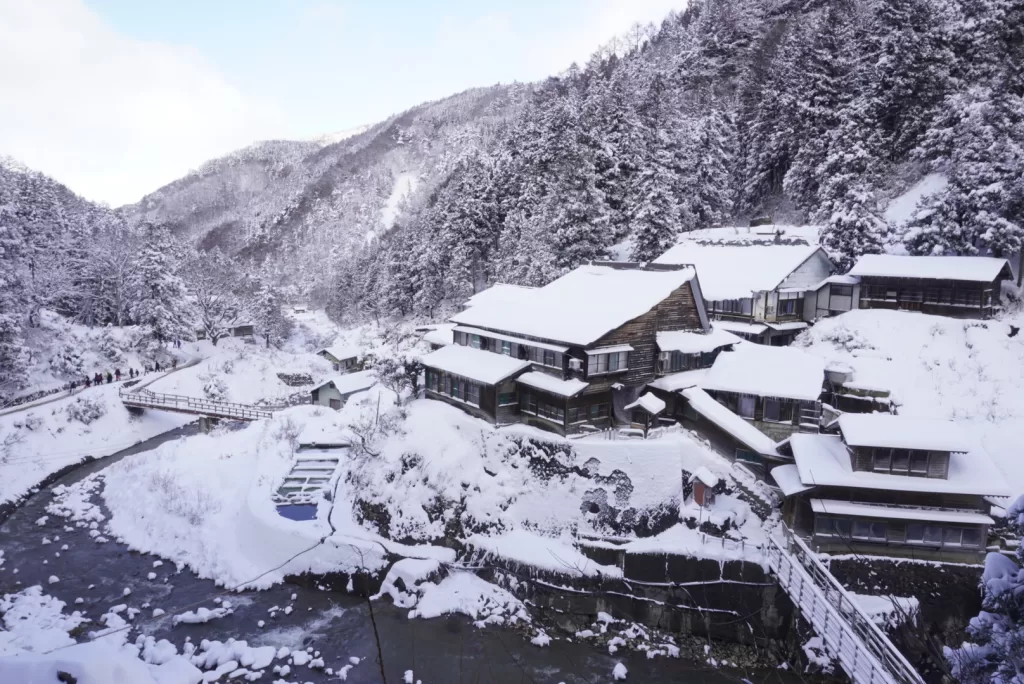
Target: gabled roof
pixel 483 366
pixel 899 432
pixel 352 382
pixel 341 351
pixel 767 372
pixel 963 268
pixel 499 293
pixel 581 306
pixel 738 271
pixel 824 461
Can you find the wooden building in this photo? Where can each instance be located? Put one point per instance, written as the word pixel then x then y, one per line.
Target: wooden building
pixel 755 289
pixel 889 485
pixel 343 358
pixel 572 355
pixel 777 390
pixel 336 391
pixel 955 286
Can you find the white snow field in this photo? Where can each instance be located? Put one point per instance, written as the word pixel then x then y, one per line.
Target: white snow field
pixel 971 372
pixel 41 438
pixel 206 501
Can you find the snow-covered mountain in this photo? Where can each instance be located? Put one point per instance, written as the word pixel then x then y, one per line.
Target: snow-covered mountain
pixel 312 201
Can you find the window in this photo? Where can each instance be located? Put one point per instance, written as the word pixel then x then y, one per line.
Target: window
pixel 746 405
pixel 833 527
pixel 472 393
pixel 431 380
pixel 528 403
pixel 788 303
pixel 972 537
pixel 335 403
pixel 507 399
pixel 778 410
pixel 506 348
pixel 598 411
pixel 864 529
pixel 882 460
pixel 549 357
pixel 842 290
pixel 577 415
pixel 673 361
pixel 900 461
pixel 953 536
pixel 749 456
pixel 456 388
pixel 551 412
pixel 337 366
pixel 932 534
pixel 608 363
pixel 742 307
pixel 918 463
pixel 474 341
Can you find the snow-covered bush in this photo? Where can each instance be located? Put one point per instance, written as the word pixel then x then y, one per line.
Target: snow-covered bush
pixel 998 630
pixel 214 387
pixel 111 346
pixel 67 359
pixel 86 409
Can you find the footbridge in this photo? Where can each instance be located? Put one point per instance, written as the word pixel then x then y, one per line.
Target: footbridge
pixel 863 650
pixel 177 403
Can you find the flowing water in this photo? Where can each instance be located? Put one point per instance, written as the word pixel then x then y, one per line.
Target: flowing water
pixel 336 624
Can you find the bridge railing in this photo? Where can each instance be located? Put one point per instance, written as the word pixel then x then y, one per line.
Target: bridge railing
pixel 862 648
pixel 186 404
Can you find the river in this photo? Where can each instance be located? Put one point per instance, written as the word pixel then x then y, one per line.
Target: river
pixel 336 624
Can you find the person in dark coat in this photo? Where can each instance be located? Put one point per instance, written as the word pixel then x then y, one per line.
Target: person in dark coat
pixel 88 381
pixel 117 374
pixel 110 378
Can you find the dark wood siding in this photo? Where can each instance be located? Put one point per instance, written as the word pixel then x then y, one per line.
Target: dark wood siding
pixel 678 311
pixel 957 299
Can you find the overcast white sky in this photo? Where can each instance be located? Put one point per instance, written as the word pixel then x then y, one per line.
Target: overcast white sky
pixel 117 97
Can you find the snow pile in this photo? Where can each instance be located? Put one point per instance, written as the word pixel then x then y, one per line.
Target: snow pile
pixel 888 611
pixel 465 593
pixel 35 645
pixel 901 209
pixel 970 372
pixel 202 615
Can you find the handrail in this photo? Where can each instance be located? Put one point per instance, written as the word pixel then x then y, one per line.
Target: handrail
pixel 144 398
pixel 884 662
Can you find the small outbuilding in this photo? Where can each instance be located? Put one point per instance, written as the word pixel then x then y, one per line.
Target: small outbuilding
pixel 336 391
pixel 704 482
pixel 645 411
pixel 343 358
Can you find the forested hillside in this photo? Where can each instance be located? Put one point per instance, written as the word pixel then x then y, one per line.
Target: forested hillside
pixel 802 111
pixel 799 110
pixel 307 206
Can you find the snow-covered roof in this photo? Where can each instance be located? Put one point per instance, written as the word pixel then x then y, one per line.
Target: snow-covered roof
pixel 838 279
pixel 696 342
pixel 964 268
pixel 549 383
pixel 440 335
pixel 352 382
pixel 741 327
pixel 755 234
pixel 737 271
pixel 833 507
pixel 823 460
pixel 743 431
pixel 511 338
pixel 499 294
pixel 341 351
pixel 475 364
pixel 581 306
pixel 788 478
pixel 767 372
pixel 899 432
pixel 610 349
pixel 705 476
pixel 648 402
pixel 788 325
pixel 678 381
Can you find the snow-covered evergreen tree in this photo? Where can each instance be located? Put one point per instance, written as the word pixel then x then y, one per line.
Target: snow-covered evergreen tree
pixel 996 652
pixel 160 297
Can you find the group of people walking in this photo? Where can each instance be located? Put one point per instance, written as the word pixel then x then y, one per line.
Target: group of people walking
pixel 108 377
